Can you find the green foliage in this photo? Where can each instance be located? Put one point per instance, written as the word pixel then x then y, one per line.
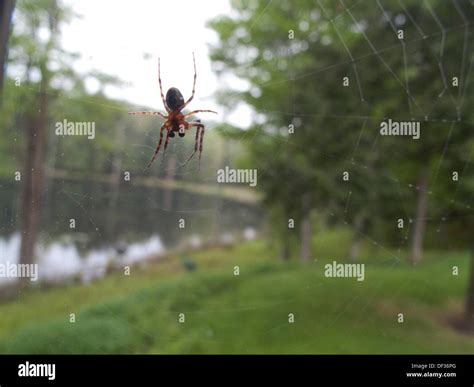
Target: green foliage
pixel 249 313
pixel 94 335
pixel 299 82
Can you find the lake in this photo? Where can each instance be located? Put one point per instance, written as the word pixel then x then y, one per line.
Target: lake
pixel 86 226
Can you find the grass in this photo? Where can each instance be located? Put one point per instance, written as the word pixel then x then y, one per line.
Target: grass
pixel 249 313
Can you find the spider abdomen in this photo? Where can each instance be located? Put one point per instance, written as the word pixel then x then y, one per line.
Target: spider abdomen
pixel 174 99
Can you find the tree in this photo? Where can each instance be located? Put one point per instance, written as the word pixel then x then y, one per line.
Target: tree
pixel 36 130
pixel 323 70
pixel 36 54
pixel 6 12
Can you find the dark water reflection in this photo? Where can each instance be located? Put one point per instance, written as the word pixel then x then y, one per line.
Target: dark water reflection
pixel 106 215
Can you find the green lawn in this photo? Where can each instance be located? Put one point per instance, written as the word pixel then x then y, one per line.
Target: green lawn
pixel 249 313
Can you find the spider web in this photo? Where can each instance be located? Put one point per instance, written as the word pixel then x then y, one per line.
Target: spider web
pixel 368 122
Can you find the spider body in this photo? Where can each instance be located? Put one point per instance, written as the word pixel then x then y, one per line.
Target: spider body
pixel 176 120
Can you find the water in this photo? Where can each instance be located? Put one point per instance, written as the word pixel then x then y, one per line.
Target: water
pixel 88 226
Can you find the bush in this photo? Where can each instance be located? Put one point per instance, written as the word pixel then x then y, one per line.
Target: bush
pixel 62 337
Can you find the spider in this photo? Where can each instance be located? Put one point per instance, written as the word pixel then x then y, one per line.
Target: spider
pixel 176 120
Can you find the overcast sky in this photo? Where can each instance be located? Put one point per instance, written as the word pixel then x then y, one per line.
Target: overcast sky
pixel 126 38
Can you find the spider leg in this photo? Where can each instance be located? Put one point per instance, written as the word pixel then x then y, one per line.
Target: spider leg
pixel 157 147
pixel 200 144
pixel 149 114
pixel 199 111
pixel 161 87
pixel 194 85
pixel 198 131
pixel 166 145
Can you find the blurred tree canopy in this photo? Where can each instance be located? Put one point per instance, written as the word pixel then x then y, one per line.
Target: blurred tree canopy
pixel 324 75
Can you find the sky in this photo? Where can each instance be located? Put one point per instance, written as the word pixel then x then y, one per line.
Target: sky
pixel 126 38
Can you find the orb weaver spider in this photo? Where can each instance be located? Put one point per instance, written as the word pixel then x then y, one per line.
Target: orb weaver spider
pixel 176 120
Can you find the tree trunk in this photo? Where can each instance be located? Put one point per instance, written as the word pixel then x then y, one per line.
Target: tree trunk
pixel 33 179
pixel 470 296
pixel 6 11
pixel 305 239
pixel 420 220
